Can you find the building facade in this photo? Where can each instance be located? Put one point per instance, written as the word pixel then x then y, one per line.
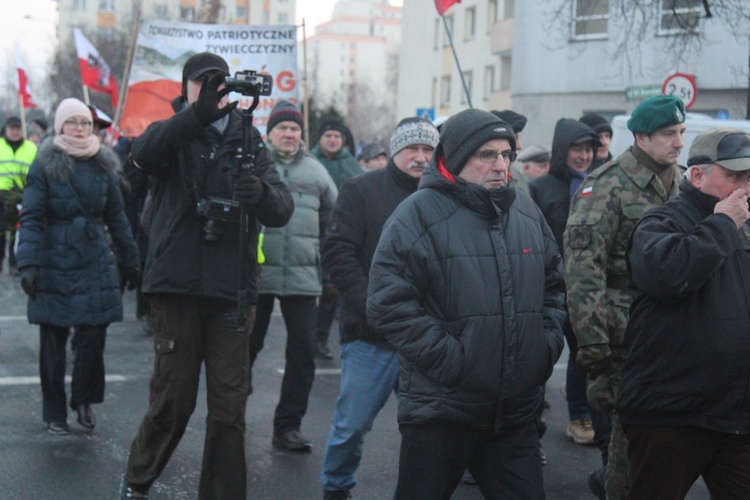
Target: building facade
pixel 561 58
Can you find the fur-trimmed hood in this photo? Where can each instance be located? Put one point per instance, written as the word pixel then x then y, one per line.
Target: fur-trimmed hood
pixel 59 165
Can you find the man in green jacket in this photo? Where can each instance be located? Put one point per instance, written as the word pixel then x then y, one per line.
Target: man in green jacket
pixel 16 156
pixel 341 165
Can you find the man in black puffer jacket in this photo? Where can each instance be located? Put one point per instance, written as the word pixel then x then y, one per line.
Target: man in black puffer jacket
pixel 684 394
pixel 467 284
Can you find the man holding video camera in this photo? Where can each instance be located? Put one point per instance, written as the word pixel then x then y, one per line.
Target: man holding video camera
pixel 193 275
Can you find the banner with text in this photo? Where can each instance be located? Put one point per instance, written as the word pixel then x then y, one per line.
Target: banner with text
pixel 162 47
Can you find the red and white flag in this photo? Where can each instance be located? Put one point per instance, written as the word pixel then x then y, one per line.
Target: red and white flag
pixel 22 82
pixel 95 72
pixel 443 5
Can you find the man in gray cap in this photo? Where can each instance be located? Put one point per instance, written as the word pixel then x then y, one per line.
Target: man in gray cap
pixel 369 365
pixel 603 212
pixel 535 160
pixel 374 157
pixel 684 393
pixel 467 285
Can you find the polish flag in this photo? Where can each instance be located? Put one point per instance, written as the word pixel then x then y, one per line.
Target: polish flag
pixel 443 5
pixel 95 72
pixel 22 82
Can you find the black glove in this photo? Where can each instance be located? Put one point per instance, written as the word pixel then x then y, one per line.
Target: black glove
pixel 207 106
pixel 330 296
pixel 132 276
pixel 248 190
pixel 29 280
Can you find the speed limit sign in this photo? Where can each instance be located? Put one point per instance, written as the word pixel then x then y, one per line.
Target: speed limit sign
pixel 682 86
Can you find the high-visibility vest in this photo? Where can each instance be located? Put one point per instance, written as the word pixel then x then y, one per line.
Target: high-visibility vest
pixel 14 165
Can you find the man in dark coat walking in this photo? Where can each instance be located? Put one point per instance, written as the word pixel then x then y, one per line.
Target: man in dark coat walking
pixel 369 365
pixel 684 394
pixel 466 284
pixel 192 274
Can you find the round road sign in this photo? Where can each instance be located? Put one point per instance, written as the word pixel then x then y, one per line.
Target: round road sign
pixel 682 86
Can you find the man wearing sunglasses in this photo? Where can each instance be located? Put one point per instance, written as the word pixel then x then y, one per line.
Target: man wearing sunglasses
pixel 467 285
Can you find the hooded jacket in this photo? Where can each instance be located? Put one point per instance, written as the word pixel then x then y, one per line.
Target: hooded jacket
pixel 363 206
pixel 188 165
pixel 467 285
pixel 688 329
pixel 71 208
pixel 341 167
pixel 551 192
pixel 293 263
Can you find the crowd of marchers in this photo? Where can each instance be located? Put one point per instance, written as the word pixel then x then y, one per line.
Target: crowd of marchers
pixel 456 261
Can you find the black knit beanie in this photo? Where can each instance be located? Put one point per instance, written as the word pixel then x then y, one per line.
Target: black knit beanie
pixel 463 133
pixel 284 111
pixel 331 123
pixel 597 122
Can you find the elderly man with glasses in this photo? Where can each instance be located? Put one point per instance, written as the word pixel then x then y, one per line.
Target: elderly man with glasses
pixel 467 285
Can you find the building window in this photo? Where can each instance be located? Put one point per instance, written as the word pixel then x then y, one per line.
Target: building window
pixel 679 16
pixel 105 34
pixel 445 91
pixel 106 5
pixel 188 13
pixel 590 20
pixel 436 42
pixel 160 11
pixel 79 4
pixel 283 18
pixel 491 14
pixel 505 72
pixel 509 9
pixel 489 81
pixel 449 22
pixel 241 12
pixel 468 81
pixel 470 25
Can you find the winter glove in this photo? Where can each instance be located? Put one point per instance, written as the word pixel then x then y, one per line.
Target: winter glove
pixel 248 190
pixel 132 276
pixel 330 296
pixel 29 280
pixel 207 106
pixel 593 359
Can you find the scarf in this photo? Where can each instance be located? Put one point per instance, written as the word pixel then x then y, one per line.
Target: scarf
pixel 80 149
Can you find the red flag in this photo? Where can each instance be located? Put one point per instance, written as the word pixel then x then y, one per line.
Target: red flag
pixel 22 82
pixel 95 72
pixel 443 5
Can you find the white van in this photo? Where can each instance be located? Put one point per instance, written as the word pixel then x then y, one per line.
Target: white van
pixel 695 123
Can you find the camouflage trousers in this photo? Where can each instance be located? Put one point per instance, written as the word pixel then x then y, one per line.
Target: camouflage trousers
pixel 601 392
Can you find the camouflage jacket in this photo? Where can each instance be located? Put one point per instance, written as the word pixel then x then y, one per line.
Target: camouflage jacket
pixel 603 214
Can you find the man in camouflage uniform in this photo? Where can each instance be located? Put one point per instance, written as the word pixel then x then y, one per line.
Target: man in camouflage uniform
pixel 603 213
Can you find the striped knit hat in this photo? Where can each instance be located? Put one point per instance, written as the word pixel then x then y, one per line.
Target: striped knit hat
pixel 284 111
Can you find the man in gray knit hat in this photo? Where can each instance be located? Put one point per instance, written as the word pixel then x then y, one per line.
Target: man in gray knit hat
pixel 466 283
pixel 369 365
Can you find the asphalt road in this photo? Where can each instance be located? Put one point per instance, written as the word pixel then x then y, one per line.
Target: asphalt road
pixel 36 465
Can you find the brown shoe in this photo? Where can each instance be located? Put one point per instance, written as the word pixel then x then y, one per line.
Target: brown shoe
pixel 292 441
pixel 581 431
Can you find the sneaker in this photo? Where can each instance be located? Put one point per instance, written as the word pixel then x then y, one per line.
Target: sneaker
pixel 86 417
pixel 322 351
pixel 292 441
pixel 58 428
pixel 597 481
pixel 336 495
pixel 127 493
pixel 581 431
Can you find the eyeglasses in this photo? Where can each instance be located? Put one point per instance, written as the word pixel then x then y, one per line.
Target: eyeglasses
pixel 76 124
pixel 489 156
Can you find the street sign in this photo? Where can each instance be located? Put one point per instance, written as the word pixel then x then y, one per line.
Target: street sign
pixel 426 113
pixel 683 86
pixel 641 92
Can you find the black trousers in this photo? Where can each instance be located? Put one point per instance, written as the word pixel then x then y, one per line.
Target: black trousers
pixel 666 461
pixel 300 313
pixel 191 332
pixel 88 368
pixel 434 456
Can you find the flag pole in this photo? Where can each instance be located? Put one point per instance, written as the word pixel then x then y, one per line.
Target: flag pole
pixel 126 72
pixel 22 114
pixel 455 56
pixel 306 100
pixel 86 95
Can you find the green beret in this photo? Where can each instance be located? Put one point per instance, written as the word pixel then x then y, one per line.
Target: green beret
pixel 656 112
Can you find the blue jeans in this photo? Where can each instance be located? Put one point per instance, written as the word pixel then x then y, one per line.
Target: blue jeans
pixel 368 375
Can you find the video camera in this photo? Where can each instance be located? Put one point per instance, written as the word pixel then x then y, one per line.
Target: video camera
pixel 250 83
